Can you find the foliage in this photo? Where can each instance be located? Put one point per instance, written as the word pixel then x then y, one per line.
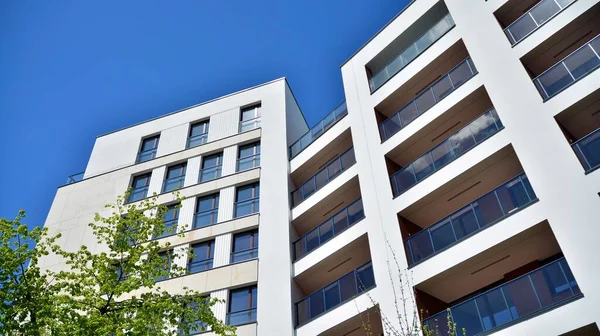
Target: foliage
pixel 115 289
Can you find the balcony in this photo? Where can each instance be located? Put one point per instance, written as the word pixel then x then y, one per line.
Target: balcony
pixel 531 20
pixel 487 210
pixel 447 151
pixel 334 294
pixel 548 286
pixel 399 60
pixel 580 124
pixel 319 129
pixel 324 176
pixel 330 228
pixel 571 69
pixel 429 97
pixel 514 280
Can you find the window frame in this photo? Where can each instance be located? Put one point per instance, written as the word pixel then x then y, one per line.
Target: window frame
pixel 217 168
pixel 256 148
pixel 148 177
pixel 214 211
pixel 153 151
pixel 203 137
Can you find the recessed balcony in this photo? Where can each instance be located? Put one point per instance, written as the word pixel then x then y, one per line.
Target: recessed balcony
pixel 567 56
pixel 580 124
pixel 516 280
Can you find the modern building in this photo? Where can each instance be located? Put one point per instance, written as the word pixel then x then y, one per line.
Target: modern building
pixel 466 153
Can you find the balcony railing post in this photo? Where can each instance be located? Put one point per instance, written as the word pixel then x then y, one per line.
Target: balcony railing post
pixel 535 291
pixel 532 18
pixel 500 203
pixel 479 315
pixel 431 239
pixel 566 278
pixel 593 50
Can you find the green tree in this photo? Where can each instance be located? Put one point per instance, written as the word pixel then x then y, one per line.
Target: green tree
pixel 113 290
pixel 26 292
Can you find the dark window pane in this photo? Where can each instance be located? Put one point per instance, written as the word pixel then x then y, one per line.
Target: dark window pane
pixel 462 141
pixel 312 240
pixel 355 211
pixel 443 154
pixel 442 235
pixel 365 278
pixel 493 309
pixel 408 114
pixel 340 222
pixel 420 246
pixel 466 317
pixel 461 74
pixel 569 274
pixel 390 126
pixel 332 296
pixel 326 230
pixel 302 310
pixel 403 180
pixel 488 209
pixel 551 285
pixel 582 62
pixel 464 222
pixel 483 127
pixel 521 298
pixel 442 88
pixel 512 196
pixel 423 167
pixel 425 101
pixel 347 286
pixel 317 304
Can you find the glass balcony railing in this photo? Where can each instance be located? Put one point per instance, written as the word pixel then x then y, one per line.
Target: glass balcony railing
pixel 335 294
pixel 319 129
pixel 549 286
pixel 243 255
pixel 173 183
pixel 248 162
pixel 449 150
pixel 209 173
pixel 572 68
pixel 539 14
pixel 241 317
pixel 146 155
pixel 324 176
pixel 491 208
pixel 206 218
pixel 250 124
pixel 197 140
pixel 138 194
pixel 428 98
pixel 75 178
pixel 200 265
pixel 330 228
pixel 588 150
pixel 246 207
pixel 413 51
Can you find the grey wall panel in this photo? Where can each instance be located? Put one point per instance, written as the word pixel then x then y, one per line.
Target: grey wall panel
pixel 226 200
pixel 181 257
pixel 186 214
pixel 222 250
pixel 192 171
pixel 229 160
pixel 224 124
pixel 220 309
pixel 156 180
pixel 172 139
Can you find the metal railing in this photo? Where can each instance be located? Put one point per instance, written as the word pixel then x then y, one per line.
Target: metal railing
pixel 146 155
pixel 75 178
pixel 447 151
pixel 336 293
pixel 205 218
pixel 548 286
pixel 529 22
pixel 587 150
pixel 246 207
pixel 437 91
pixel 200 265
pixel 209 173
pixel 330 228
pixel 324 176
pixel 488 209
pixel 242 255
pixel 197 140
pixel 248 162
pixel 173 183
pixel 246 125
pixel 413 51
pixel 319 129
pixel 572 68
pixel 241 317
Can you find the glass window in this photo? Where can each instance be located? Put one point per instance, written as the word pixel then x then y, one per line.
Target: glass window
pixel 242 306
pixel 202 256
pixel 170 218
pixel 250 118
pixel 245 246
pixel 166 256
pixel 207 211
pixel 148 148
pixel 247 200
pixel 249 156
pixel 197 327
pixel 211 167
pixel 198 134
pixel 139 187
pixel 175 177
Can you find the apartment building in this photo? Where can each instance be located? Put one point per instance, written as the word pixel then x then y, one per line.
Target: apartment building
pixel 465 154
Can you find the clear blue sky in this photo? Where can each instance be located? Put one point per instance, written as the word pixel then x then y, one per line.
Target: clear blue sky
pixel 71 70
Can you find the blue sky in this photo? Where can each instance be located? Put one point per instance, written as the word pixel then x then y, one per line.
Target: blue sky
pixel 71 70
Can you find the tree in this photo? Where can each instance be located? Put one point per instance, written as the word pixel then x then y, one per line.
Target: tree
pixel 115 291
pixel 26 292
pixel 409 320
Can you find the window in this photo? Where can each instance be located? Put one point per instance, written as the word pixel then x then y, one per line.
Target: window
pixel 207 211
pixel 211 167
pixel 248 156
pixel 245 246
pixel 166 256
pixel 242 306
pixel 170 218
pixel 202 258
pixel 139 187
pixel 196 327
pixel 247 200
pixel 198 134
pixel 148 149
pixel 175 177
pixel 250 118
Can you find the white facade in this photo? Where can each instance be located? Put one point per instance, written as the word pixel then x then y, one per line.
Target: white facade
pixel 446 160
